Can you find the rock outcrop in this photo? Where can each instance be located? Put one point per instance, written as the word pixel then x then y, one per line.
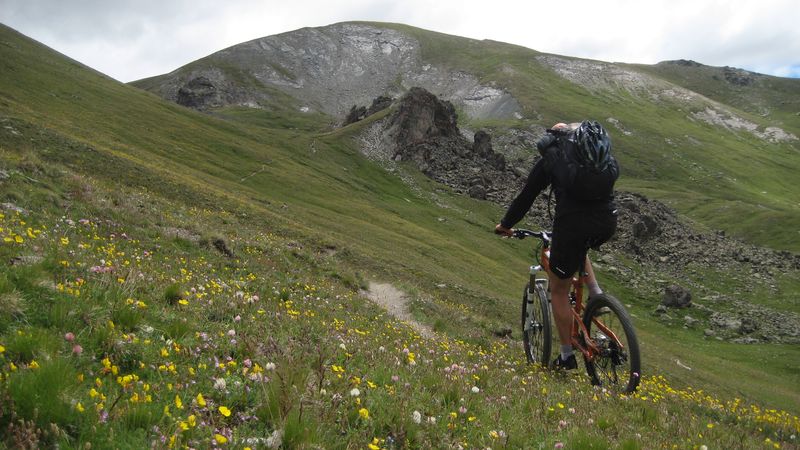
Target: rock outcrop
pixel 423 130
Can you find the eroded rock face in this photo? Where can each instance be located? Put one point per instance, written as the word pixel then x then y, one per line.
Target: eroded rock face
pixel 199 93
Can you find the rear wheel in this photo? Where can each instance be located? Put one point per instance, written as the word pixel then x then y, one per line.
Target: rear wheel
pixel 536 325
pixel 617 365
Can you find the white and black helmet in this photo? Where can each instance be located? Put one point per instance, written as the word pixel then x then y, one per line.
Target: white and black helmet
pixel 594 144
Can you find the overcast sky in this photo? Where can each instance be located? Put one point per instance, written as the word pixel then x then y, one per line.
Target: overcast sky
pixel 133 39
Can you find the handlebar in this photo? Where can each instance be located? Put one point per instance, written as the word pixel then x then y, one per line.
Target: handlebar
pixel 521 233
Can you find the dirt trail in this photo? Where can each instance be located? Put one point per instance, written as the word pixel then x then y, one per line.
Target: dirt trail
pixel 395 302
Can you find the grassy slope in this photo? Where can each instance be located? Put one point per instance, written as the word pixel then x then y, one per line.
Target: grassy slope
pixel 115 134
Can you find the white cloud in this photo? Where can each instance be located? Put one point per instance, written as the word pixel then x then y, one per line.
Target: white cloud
pixel 133 39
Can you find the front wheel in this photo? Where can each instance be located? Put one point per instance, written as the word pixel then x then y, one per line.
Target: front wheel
pixel 616 366
pixel 536 325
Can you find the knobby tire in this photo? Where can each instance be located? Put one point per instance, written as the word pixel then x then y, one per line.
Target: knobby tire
pixel 614 369
pixel 537 339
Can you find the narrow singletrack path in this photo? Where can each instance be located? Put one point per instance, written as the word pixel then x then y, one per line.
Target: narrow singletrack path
pixel 395 302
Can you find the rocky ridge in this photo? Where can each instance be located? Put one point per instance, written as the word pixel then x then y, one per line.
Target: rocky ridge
pixel 327 69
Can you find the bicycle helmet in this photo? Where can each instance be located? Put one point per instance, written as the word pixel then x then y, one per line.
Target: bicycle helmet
pixel 594 144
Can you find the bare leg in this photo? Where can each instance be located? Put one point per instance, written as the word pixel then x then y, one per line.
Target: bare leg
pixel 562 310
pixel 591 280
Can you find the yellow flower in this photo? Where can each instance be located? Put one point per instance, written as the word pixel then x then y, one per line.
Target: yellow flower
pixel 363 413
pixel 19 239
pixel 2 349
pixel 224 411
pixel 80 407
pixel 33 364
pixel 200 400
pixel 183 302
pixel 178 402
pixel 192 419
pixel 220 438
pixel 64 241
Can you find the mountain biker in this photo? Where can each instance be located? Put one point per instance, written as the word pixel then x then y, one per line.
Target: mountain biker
pixel 578 224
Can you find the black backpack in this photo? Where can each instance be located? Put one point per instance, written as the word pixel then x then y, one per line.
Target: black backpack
pixel 584 176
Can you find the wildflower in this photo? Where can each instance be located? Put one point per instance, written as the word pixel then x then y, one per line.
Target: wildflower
pixel 220 384
pixel 69 337
pixel 80 407
pixel 355 392
pixel 475 389
pixel 416 416
pixel 220 439
pixel 77 349
pixel 559 445
pixel 33 364
pixel 201 402
pixel 275 440
pixel 178 402
pixel 363 413
pixel 224 411
pixel 2 349
pixel 269 366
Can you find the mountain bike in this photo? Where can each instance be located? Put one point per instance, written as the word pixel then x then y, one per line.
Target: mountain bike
pixel 602 330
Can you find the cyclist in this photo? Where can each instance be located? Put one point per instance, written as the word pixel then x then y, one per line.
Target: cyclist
pixel 579 224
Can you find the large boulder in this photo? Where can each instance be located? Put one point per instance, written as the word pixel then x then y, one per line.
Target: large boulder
pixel 676 297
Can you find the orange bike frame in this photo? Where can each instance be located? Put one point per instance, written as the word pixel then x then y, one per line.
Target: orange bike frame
pixel 586 346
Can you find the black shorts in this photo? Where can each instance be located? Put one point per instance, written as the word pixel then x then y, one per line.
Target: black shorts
pixel 574 234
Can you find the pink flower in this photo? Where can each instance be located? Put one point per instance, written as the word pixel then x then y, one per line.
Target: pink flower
pixel 395 378
pixel 77 349
pixel 69 337
pixel 559 445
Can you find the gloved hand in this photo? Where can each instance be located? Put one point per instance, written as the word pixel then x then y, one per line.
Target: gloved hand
pixel 503 231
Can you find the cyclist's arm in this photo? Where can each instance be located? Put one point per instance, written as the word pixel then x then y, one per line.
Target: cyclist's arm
pixel 537 181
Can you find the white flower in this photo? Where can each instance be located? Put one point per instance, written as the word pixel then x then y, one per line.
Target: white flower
pixel 475 389
pixel 355 392
pixel 416 416
pixel 343 347
pixel 269 366
pixel 275 440
pixel 432 420
pixel 220 384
